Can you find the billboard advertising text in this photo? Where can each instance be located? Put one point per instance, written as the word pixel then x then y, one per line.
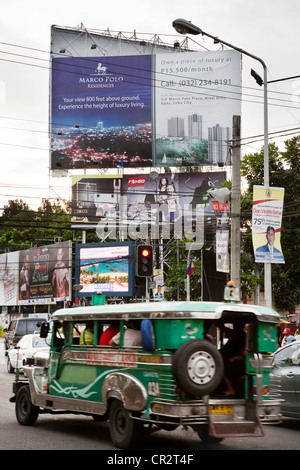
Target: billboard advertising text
pixel 196 96
pixel 169 109
pixel 101 112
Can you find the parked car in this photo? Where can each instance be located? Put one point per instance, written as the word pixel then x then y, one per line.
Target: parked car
pixel 19 327
pixel 285 375
pixel 27 348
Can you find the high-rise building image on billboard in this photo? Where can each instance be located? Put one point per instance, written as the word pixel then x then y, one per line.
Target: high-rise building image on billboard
pixel 176 127
pixel 218 144
pixel 195 126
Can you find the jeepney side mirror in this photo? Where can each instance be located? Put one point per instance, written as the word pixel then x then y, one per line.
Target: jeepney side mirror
pixel 44 329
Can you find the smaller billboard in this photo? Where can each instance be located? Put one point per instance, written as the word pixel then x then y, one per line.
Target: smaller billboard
pixel 132 198
pixel 44 274
pixel 266 224
pixel 9 278
pixel 106 268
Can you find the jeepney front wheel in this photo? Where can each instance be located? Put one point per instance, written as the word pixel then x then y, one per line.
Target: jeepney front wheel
pixel 26 412
pixel 124 430
pixel 197 367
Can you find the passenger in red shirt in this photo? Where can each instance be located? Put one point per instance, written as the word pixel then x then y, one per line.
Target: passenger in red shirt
pixel 108 334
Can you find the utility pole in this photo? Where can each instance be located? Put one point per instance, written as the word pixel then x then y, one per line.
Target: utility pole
pixel 236 203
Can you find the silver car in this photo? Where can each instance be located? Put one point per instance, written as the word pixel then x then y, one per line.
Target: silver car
pixel 286 375
pixel 26 349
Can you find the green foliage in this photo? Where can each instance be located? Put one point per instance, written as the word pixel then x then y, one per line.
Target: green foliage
pixel 284 171
pixel 20 225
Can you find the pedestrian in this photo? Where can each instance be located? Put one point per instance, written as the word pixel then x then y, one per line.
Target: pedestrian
pixel 286 332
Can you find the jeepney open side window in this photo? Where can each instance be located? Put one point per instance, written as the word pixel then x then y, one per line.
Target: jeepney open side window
pixel 135 336
pixel 84 333
pixel 58 336
pixel 107 329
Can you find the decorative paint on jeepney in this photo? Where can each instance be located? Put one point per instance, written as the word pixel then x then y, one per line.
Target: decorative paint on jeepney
pixel 101 358
pixel 114 358
pixel 191 331
pixel 83 373
pixel 171 333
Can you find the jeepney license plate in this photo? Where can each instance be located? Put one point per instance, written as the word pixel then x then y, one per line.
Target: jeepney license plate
pixel 221 409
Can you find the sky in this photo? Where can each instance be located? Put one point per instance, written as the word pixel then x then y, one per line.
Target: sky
pixel 267 29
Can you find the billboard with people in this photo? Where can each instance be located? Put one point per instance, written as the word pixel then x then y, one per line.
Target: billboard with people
pixel 45 274
pixel 132 199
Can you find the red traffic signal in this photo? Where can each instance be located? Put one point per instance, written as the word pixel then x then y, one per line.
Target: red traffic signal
pixel 146 252
pixel 144 261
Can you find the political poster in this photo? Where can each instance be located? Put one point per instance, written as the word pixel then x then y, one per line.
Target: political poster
pixel 266 224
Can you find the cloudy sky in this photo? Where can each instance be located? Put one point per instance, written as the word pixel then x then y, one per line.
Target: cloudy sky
pixel 268 29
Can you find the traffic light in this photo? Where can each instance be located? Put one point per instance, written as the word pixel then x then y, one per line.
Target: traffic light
pixel 144 261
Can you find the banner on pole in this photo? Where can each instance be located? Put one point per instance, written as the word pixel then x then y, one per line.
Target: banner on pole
pixel 266 224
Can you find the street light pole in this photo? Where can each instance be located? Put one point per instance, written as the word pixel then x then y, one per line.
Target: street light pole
pixel 186 27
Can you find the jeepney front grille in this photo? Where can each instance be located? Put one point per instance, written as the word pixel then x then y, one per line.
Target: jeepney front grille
pixel 167 385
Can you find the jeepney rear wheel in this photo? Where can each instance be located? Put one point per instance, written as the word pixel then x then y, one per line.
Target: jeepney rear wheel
pixel 197 367
pixel 26 412
pixel 124 431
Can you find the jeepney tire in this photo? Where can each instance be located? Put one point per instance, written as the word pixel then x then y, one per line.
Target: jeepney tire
pixel 10 368
pixel 124 430
pixel 197 367
pixel 26 412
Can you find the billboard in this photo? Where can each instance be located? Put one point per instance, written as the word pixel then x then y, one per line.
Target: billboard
pixel 9 278
pixel 166 109
pixel 266 224
pixel 131 198
pixel 101 112
pixel 106 268
pixel 196 96
pixel 45 274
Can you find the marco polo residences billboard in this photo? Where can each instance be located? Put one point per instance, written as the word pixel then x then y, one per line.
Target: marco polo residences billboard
pixel 168 109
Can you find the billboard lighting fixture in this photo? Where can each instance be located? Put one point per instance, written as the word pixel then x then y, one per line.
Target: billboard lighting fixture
pixel 93 46
pixel 62 51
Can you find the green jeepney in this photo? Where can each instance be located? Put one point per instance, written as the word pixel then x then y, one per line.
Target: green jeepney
pixel 173 378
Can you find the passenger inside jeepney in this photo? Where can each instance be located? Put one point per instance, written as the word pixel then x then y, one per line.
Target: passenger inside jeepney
pixel 108 333
pixel 234 358
pixel 87 335
pixel 132 335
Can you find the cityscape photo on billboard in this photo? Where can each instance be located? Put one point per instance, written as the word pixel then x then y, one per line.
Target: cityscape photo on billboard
pixel 101 112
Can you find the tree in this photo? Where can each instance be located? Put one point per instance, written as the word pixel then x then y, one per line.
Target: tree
pixel 284 170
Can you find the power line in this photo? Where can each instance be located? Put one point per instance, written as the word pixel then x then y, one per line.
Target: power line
pixel 89 59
